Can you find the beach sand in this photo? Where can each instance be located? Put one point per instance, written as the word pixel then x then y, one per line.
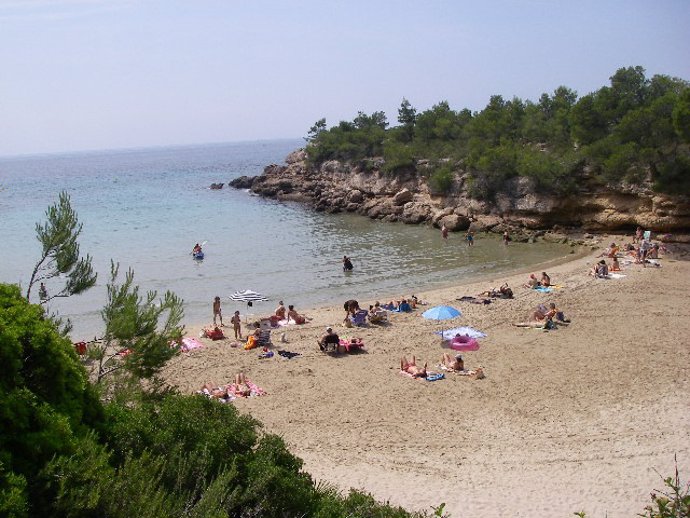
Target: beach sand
pixel 578 418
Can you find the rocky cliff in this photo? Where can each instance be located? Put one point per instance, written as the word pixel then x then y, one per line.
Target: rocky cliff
pixel 336 187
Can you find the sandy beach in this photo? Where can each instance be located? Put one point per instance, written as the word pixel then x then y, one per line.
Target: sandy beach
pixel 578 418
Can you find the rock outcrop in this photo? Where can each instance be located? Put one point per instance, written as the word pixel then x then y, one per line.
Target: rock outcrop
pixel 338 187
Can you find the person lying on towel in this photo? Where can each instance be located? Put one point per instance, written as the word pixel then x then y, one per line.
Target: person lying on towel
pixel 410 367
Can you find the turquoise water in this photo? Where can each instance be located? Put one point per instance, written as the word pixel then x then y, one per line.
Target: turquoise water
pixel 146 208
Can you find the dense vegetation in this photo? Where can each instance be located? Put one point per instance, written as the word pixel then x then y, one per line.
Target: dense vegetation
pixel 636 130
pixel 64 452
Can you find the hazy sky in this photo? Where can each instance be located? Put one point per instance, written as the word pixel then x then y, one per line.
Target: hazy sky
pixel 97 74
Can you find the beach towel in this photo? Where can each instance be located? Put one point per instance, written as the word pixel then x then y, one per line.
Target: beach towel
pixel 189 344
pixel 449 334
pixel 616 275
pixel 544 289
pixel 266 354
pixel 465 372
pixel 434 376
pixel 285 322
pixel 288 354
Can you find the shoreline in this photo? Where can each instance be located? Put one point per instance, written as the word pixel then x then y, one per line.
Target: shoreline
pixel 571 412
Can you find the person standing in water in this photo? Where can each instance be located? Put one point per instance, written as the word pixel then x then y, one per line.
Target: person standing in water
pixel 347 264
pixel 470 238
pixel 444 231
pixel 506 238
pixel 216 311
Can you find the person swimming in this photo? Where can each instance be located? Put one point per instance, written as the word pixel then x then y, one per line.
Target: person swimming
pixel 347 264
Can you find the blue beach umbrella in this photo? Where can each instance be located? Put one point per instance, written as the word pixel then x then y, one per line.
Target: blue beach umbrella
pixel 441 313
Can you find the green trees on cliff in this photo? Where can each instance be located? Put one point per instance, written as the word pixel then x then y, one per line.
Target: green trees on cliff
pixel 635 130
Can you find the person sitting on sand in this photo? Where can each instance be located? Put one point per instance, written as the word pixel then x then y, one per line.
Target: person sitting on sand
pixel 214 333
pixel 377 314
pixel 296 317
pixel 410 367
pixel 404 306
pixel 453 364
pixel 545 280
pixel 653 252
pixel 329 339
pixel 601 270
pixel 280 311
pixel 611 251
pixel 533 282
pixel 542 314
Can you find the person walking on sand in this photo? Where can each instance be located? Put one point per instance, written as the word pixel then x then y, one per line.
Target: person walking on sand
pixel 236 322
pixel 217 311
pixel 444 231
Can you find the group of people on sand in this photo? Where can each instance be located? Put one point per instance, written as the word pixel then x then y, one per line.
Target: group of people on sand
pixel 448 362
pixel 236 320
pixel 533 282
pixel 289 315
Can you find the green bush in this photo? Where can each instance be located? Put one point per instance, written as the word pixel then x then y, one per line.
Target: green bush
pixel 441 179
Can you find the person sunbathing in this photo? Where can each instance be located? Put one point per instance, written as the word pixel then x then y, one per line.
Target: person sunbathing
pixel 241 386
pixel 453 364
pixel 214 333
pixel 296 317
pixel 214 391
pixel 504 292
pixel 533 282
pixel 545 280
pixel 411 367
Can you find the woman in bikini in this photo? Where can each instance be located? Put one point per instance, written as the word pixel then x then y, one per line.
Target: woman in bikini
pixel 453 364
pixel 411 367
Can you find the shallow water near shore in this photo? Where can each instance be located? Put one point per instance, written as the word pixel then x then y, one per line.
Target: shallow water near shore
pixel 146 208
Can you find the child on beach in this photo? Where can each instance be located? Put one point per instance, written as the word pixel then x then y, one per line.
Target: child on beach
pixel 236 324
pixel 217 311
pixel 470 238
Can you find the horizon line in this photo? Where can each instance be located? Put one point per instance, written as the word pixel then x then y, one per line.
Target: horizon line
pixel 86 151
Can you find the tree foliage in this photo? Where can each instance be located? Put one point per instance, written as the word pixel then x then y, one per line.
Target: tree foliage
pixel 60 252
pixel 635 130
pixel 63 453
pixel 140 331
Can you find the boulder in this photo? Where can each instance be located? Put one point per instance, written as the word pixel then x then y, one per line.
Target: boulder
pixel 402 197
pixel 354 196
pixel 455 223
pixel 415 213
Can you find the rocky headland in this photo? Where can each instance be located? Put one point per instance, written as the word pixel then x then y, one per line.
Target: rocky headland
pixel 525 212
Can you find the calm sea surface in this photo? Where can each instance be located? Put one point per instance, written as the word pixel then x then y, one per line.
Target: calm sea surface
pixel 146 208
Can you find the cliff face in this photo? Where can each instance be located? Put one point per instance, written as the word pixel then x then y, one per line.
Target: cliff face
pixel 337 187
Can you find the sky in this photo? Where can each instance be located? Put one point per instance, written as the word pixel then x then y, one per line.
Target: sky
pixel 95 74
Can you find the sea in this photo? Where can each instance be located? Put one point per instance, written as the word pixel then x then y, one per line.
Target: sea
pixel 145 209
